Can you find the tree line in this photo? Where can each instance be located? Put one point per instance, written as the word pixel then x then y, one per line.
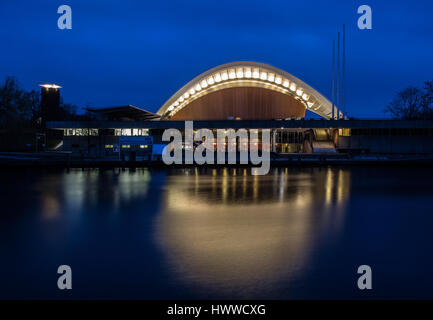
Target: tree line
pixel 412 103
pixel 21 108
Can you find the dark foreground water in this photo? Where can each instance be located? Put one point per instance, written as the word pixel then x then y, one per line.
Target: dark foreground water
pixel 206 233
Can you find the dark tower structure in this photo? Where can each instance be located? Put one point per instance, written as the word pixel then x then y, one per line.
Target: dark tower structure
pixel 50 102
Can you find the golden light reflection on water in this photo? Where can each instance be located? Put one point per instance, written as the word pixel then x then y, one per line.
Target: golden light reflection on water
pixel 231 233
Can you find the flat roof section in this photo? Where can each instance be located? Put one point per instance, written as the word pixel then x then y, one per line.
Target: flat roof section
pixel 128 112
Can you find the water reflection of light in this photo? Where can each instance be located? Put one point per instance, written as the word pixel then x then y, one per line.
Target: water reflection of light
pixel 50 206
pixel 93 187
pixel 259 236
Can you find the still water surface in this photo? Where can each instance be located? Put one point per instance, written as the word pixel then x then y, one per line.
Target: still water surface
pixel 217 233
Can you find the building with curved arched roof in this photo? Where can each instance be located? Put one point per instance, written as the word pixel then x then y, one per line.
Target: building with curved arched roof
pixel 244 91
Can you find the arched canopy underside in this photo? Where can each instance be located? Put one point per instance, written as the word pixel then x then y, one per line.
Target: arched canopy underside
pixel 247 74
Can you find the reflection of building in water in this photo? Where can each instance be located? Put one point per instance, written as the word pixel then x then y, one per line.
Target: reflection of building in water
pixel 91 187
pixel 231 233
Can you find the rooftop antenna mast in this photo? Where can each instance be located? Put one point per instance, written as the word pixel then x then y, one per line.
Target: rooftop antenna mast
pixel 338 77
pixel 344 70
pixel 333 79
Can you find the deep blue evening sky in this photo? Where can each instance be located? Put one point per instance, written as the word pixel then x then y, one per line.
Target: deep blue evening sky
pixel 141 52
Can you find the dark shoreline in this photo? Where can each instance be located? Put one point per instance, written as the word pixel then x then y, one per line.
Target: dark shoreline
pixel 61 160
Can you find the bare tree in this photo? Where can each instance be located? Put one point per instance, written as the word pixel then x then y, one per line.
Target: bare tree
pixel 406 105
pixel 16 105
pixel 412 103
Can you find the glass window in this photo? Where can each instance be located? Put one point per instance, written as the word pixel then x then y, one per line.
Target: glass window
pixel 344 132
pixel 126 146
pixel 109 146
pixel 126 132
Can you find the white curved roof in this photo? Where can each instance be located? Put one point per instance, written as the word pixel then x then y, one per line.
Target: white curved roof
pixel 247 74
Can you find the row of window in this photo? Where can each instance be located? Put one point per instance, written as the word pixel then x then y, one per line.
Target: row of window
pixel 131 132
pixel 126 146
pixel 344 132
pixel 95 132
pixel 289 137
pixel 80 132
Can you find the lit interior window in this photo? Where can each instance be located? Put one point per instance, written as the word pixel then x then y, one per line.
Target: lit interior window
pixel 293 87
pixel 232 74
pixel 218 77
pixel 126 132
pixel 278 80
pixel 299 92
pixel 224 76
pixel 186 95
pixel 197 87
pixel 210 81
pixel 271 77
pixel 203 84
pixel 345 132
pixel 263 75
pixel 181 99
pixel 240 73
pixel 248 73
pixel 256 74
pixel 286 83
pixel 305 96
pixel 192 91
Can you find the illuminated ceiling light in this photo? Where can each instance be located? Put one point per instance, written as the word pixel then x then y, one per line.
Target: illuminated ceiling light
pixel 50 86
pixel 240 73
pixel 186 95
pixel 256 74
pixel 192 91
pixel 263 76
pixel 217 77
pixel 305 96
pixel 299 92
pixel 271 77
pixel 286 83
pixel 210 81
pixel 197 87
pixel 232 74
pixel 224 76
pixel 248 73
pixel 203 84
pixel 293 87
pixel 278 80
